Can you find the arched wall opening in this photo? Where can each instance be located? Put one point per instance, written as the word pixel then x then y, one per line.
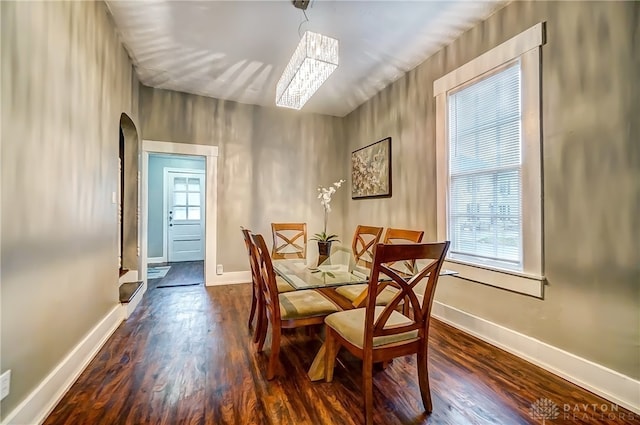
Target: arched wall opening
pixel 129 250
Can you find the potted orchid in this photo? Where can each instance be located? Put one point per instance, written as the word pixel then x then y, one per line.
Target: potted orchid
pixel 324 240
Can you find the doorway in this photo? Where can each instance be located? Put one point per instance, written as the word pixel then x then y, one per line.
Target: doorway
pixel 127 198
pixel 176 214
pixel 156 237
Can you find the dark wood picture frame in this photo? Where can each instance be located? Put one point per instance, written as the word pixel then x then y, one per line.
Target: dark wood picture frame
pixel 371 170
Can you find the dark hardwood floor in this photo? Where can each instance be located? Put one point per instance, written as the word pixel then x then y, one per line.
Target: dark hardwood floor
pixel 185 357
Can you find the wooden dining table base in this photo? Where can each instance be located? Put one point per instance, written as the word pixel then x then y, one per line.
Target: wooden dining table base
pixel 317 370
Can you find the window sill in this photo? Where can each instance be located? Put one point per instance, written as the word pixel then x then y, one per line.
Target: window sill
pixel 522 283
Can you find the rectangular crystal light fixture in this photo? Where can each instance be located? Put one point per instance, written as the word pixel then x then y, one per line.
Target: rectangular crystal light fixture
pixel 315 58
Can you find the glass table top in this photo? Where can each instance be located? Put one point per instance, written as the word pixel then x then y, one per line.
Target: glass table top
pixel 338 270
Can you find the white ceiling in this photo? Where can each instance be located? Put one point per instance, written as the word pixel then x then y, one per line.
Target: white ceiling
pixel 237 50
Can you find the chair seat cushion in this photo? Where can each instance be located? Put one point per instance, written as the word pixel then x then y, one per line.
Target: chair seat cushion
pixel 283 285
pixel 351 292
pixel 350 325
pixel 307 303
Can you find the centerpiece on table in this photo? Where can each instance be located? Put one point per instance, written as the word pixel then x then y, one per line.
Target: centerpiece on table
pixel 324 240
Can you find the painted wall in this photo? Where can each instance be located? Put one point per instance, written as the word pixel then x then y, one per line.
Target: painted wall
pixel 157 164
pixel 65 82
pixel 270 162
pixel 591 99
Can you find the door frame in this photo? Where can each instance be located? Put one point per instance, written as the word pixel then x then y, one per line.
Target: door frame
pixel 165 218
pixel 211 199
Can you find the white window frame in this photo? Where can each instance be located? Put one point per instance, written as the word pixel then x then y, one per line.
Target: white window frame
pixel 526 47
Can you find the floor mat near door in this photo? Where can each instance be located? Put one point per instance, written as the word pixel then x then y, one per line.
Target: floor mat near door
pixel 157 272
pixel 183 273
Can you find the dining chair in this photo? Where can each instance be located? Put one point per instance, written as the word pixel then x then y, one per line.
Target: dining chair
pixel 395 236
pixel 380 333
pixel 355 293
pixel 289 240
pixel 284 310
pixel 256 306
pixel 365 239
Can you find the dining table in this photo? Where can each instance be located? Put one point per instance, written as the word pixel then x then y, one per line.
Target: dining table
pixel 338 269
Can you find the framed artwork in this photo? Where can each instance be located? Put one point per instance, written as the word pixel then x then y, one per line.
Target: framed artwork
pixel 371 170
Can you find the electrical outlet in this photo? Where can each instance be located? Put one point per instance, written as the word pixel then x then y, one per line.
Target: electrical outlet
pixel 5 384
pixel 219 269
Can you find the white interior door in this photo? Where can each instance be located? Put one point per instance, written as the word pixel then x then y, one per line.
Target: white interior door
pixel 185 233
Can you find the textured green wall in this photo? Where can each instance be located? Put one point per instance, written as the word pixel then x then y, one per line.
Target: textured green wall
pixel 591 154
pixel 65 82
pixel 270 162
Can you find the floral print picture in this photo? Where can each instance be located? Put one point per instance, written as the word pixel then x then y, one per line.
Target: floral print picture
pixel 371 170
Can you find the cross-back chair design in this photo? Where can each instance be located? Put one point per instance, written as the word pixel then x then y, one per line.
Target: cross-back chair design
pixel 380 333
pixel 257 307
pixel 356 293
pixel 396 236
pixel 364 241
pixel 289 240
pixel 284 310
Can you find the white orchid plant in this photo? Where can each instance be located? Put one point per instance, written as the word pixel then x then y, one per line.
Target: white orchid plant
pixel 325 194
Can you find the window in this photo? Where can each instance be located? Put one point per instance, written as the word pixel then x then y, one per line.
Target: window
pixel 186 198
pixel 484 215
pixel 489 168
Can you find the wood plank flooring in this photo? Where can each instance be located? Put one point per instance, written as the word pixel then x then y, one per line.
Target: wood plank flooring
pixel 186 357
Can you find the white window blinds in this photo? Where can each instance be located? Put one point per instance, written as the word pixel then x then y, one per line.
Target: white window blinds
pixel 485 217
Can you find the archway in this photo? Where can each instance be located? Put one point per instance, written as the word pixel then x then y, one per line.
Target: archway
pixel 128 199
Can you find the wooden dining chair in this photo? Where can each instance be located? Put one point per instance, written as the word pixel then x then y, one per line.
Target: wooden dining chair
pixel 398 236
pixel 289 240
pixel 254 279
pixel 257 308
pixel 284 310
pixel 380 333
pixel 356 293
pixel 393 235
pixel 364 241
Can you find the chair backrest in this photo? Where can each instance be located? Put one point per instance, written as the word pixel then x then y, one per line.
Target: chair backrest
pixel 396 236
pixel 246 234
pixel 402 236
pixel 267 277
pixel 289 240
pixel 386 254
pixel 364 241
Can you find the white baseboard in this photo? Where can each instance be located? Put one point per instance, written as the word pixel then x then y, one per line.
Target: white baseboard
pixel 231 278
pixel 35 408
pixel 156 260
pixel 133 302
pixel 609 384
pixel 129 276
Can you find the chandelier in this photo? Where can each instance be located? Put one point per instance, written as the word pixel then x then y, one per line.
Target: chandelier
pixel 313 61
